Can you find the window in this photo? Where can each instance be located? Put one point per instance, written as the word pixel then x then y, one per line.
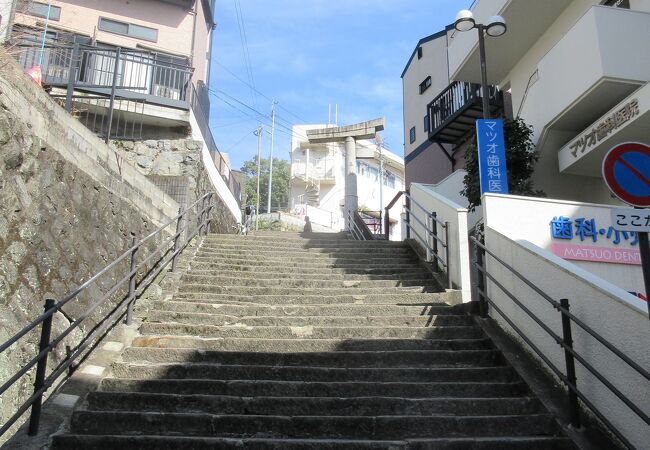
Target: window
pixel 40 10
pixel 618 3
pixel 419 52
pixel 389 180
pixel 426 123
pixel 425 84
pixel 128 29
pixel 412 135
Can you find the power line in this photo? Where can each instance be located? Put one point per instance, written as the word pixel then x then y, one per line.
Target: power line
pixel 245 50
pixel 258 92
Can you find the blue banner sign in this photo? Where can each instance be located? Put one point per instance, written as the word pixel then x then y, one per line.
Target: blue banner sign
pixel 492 156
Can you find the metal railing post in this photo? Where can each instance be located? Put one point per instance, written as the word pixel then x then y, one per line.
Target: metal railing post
pixel 408 223
pixel 111 107
pixel 72 75
pixel 387 225
pixel 434 230
pixel 46 330
pixel 177 239
pixel 130 301
pixel 574 411
pixel 480 262
pixel 449 282
pixel 208 219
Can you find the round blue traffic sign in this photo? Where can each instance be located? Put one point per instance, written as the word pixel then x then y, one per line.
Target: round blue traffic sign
pixel 626 170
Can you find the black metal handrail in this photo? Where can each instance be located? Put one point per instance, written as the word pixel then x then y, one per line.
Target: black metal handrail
pixel 566 341
pixel 454 98
pixel 430 229
pixel 168 251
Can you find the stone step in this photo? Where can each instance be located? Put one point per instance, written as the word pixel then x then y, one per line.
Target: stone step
pixel 254 241
pixel 254 269
pixel 247 308
pixel 301 282
pixel 343 320
pixel 411 274
pixel 306 267
pixel 305 373
pixel 347 359
pixel 308 345
pixel 342 258
pixel 310 332
pixel 260 248
pixel 116 442
pixel 303 406
pixel 423 299
pixel 272 388
pixel 324 291
pixel 356 427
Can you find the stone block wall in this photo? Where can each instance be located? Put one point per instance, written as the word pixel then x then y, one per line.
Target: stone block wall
pixel 68 206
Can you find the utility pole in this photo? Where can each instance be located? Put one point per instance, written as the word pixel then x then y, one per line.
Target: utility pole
pixel 258 133
pixel 380 144
pixel 268 206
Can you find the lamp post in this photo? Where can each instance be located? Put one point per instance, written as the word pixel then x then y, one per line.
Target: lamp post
pixel 495 27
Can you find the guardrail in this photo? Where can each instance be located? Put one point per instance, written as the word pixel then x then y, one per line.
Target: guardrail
pixel 167 251
pixel 565 341
pixel 433 242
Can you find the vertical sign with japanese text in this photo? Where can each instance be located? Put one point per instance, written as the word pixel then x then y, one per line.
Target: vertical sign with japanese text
pixel 492 156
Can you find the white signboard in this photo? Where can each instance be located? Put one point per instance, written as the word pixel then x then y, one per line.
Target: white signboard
pixel 628 219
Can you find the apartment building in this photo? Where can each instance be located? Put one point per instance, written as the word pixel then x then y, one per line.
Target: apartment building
pixel 577 71
pixel 154 55
pixel 317 186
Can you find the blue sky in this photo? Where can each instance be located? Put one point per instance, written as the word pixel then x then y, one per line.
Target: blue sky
pixel 307 54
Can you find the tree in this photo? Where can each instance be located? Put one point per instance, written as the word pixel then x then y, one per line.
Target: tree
pixel 281 174
pixel 521 157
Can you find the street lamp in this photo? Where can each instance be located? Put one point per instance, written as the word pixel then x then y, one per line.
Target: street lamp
pixel 495 27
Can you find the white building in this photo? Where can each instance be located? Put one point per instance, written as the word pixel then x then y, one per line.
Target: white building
pixel 318 179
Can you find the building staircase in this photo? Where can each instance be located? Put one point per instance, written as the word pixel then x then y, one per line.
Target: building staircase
pixel 277 341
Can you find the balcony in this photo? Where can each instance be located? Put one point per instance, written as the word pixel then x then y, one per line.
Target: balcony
pixel 453 113
pixel 527 22
pixel 597 63
pixel 321 171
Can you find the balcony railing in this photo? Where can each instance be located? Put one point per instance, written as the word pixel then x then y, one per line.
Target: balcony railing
pixel 321 170
pixel 454 111
pixel 133 74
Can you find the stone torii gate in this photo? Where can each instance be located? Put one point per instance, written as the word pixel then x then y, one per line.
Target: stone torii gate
pixel 348 134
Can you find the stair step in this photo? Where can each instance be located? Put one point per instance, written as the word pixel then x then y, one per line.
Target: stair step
pixel 303 406
pixel 116 442
pixel 308 345
pixel 273 388
pixel 427 301
pixel 324 291
pixel 161 315
pixel 273 307
pixel 311 332
pixel 306 373
pixel 346 359
pixel 320 268
pixel 300 282
pixel 304 251
pixel 412 274
pixel 280 259
pixel 359 427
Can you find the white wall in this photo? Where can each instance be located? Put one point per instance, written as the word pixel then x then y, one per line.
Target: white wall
pixel 217 181
pixel 610 311
pixel 456 215
pixel 529 218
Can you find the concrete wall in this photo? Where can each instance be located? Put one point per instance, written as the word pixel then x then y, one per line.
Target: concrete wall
pixel 530 219
pixel 596 302
pixel 68 206
pixel 456 215
pixel 6 11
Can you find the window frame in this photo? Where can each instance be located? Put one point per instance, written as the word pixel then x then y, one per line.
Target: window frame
pixel 426 84
pixel 55 11
pixel 128 29
pixel 412 135
pixel 427 123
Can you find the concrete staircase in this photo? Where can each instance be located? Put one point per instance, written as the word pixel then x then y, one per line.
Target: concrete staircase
pixel 280 342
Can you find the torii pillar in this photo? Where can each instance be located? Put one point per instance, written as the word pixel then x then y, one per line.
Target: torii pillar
pixel 348 134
